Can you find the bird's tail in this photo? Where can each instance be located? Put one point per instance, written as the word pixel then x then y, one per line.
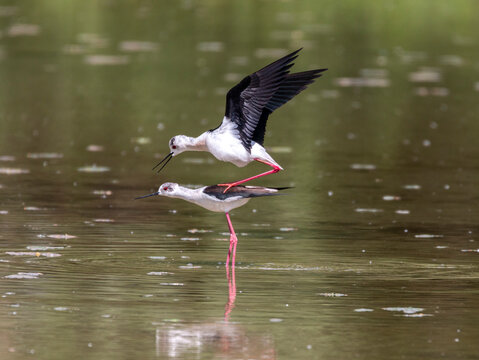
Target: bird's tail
pixel 257 191
pixel 282 188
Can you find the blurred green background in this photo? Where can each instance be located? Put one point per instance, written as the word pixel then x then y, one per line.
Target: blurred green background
pixel 372 255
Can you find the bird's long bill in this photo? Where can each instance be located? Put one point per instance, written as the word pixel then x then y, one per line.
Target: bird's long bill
pixel 145 196
pixel 167 158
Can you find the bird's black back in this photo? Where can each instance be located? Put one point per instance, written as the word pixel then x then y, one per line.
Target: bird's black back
pixel 240 191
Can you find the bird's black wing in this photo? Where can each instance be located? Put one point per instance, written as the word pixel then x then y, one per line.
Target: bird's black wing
pixel 240 191
pixel 246 101
pixel 291 86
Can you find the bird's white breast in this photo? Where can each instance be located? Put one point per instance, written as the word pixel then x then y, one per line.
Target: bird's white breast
pixel 198 197
pixel 211 203
pixel 225 144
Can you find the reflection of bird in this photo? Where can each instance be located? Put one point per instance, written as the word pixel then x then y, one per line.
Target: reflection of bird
pixel 239 138
pixel 213 198
pixel 212 340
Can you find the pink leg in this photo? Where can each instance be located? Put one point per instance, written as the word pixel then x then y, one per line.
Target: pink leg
pixel 229 253
pixel 273 171
pixel 231 292
pixel 233 242
pixel 231 279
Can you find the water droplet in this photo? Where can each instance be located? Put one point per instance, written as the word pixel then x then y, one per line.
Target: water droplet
pixel 405 310
pixel 362 82
pixel 159 273
pixel 364 210
pixel 138 46
pixel 94 148
pixel 427 236
pixel 23 30
pixel 275 320
pixel 332 294
pixel 61 308
pixel 13 171
pixel 24 275
pixel 286 229
pixel 425 75
pixel 61 236
pixel 172 284
pixel 426 143
pixel 93 169
pixel 363 166
pixel 210 46
pixel 44 155
pixel 391 197
pixel 412 187
pixel 106 60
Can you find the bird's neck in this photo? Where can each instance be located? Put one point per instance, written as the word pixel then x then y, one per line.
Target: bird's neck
pixel 191 195
pixel 196 143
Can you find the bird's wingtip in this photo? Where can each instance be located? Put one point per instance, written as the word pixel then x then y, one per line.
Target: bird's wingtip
pixel 283 188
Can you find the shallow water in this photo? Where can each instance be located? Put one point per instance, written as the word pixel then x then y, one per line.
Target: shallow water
pixel 373 253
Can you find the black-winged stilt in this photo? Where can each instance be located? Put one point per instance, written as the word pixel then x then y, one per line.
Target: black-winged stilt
pixel 213 198
pixel 239 138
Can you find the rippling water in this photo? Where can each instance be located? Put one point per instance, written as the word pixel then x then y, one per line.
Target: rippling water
pixel 373 253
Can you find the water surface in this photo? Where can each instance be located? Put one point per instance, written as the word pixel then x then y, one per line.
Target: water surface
pixel 373 254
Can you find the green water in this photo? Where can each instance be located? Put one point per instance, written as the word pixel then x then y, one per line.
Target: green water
pixel 372 255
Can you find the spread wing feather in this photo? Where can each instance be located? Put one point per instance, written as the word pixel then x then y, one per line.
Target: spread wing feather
pixel 291 86
pixel 245 102
pixel 249 103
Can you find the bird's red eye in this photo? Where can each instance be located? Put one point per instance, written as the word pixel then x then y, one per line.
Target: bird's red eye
pixel 165 188
pixel 173 147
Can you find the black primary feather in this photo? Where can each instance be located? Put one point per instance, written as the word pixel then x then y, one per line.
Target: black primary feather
pixel 246 101
pixel 291 86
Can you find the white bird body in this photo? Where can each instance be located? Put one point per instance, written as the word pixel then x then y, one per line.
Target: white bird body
pixel 198 197
pixel 213 198
pixel 225 145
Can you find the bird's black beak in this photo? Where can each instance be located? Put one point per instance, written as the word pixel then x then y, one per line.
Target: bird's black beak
pixel 167 158
pixel 145 196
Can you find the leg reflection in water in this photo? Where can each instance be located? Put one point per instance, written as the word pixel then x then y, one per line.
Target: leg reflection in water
pixel 231 291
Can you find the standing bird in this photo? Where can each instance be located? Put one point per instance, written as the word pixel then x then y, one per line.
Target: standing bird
pixel 240 136
pixel 214 199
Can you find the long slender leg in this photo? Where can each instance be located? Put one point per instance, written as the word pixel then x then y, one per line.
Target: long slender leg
pixel 231 279
pixel 233 242
pixel 273 171
pixel 229 253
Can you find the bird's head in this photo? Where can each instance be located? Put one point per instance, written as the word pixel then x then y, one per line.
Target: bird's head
pixel 178 144
pixel 167 189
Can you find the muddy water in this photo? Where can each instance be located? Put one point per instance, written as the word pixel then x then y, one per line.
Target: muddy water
pixel 373 253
